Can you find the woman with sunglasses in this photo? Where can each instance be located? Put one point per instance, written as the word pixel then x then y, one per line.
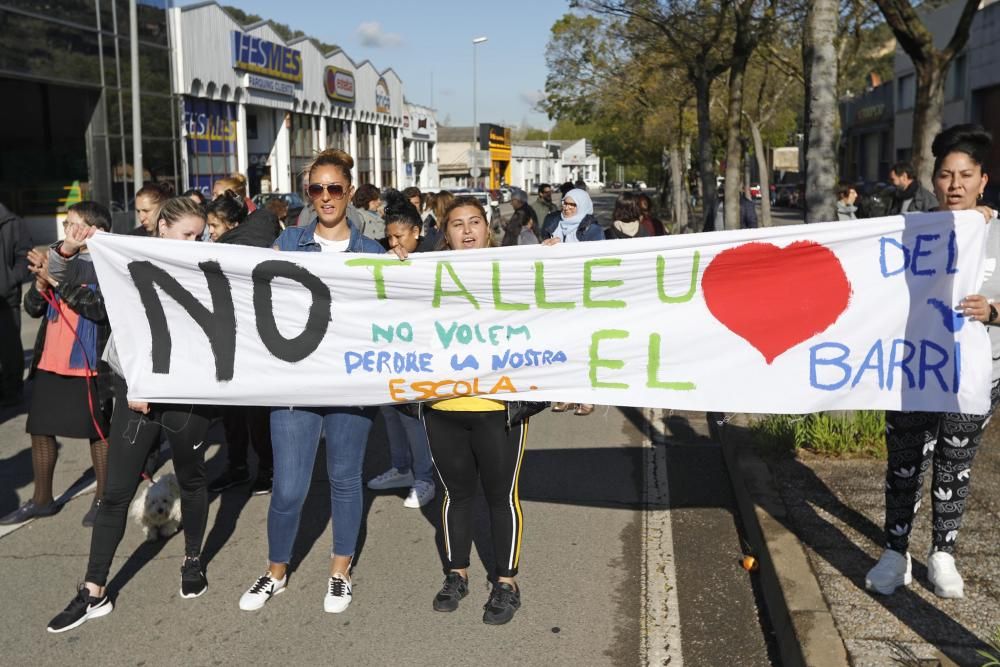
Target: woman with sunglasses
pixel 575 224
pixel 295 432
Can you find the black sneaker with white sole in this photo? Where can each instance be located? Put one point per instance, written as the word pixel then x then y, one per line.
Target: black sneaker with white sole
pixel 193 581
pixel 81 609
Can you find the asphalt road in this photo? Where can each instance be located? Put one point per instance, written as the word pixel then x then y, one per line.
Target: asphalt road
pixel 588 573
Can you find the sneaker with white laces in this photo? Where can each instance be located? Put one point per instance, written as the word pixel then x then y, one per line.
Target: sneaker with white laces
pixel 81 609
pixel 943 576
pixel 262 590
pixel 420 494
pixel 892 571
pixel 391 479
pixel 338 595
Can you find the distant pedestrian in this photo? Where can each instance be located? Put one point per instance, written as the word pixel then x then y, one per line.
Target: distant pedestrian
pixel 196 195
pixel 910 196
pixel 414 196
pixel 15 242
pixel 245 425
pixel 148 200
pixel 574 224
pixel 519 230
pixel 238 184
pixel 846 198
pixel 748 212
pixel 627 219
pixel 279 208
pixel 409 454
pixel 652 224
pixel 943 443
pixel 366 202
pixel 543 203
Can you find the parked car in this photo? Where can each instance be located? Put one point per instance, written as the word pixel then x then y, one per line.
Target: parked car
pixel 487 199
pixel 640 185
pixel 293 199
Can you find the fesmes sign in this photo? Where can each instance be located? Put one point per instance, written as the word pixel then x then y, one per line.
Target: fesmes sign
pixel 260 56
pixel 339 84
pixel 382 99
pixel 494 137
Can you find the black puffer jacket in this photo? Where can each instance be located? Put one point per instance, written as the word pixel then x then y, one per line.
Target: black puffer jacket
pixel 260 230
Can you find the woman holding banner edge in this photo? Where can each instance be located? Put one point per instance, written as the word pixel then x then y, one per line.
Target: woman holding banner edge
pixel 295 432
pixel 916 441
pixel 136 427
pixel 477 439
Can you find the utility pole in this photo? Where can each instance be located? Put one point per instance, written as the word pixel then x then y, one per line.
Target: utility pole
pixel 133 42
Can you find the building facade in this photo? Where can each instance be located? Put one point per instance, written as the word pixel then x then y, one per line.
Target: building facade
pixel 65 80
pixel 254 104
pixel 866 147
pixel 972 88
pixel 420 139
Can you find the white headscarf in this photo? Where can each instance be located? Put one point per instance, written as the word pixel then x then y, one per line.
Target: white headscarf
pixel 584 207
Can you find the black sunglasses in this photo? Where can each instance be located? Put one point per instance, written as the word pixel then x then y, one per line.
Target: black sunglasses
pixel 335 190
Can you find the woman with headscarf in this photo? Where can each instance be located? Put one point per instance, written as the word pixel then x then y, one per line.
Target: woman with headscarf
pixel 575 223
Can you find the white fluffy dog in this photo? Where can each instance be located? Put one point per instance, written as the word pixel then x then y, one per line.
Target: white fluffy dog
pixel 157 508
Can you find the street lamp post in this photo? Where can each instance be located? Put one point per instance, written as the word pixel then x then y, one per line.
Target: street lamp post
pixel 475 125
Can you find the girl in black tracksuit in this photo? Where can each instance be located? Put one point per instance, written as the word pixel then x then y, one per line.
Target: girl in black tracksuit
pixel 135 430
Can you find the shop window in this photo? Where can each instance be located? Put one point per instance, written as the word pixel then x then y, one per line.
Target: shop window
pixel 210 128
pixel 302 136
pixel 337 136
pixel 907 92
pixel 954 87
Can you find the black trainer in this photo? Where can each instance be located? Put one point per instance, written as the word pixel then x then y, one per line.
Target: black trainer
pixel 263 483
pixel 193 581
pixel 504 601
pixel 91 515
pixel 81 609
pixel 30 510
pixel 454 589
pixel 232 477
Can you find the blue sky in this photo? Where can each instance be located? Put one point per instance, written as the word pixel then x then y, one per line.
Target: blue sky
pixel 417 39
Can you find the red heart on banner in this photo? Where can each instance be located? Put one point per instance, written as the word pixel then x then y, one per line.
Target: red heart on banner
pixel 775 298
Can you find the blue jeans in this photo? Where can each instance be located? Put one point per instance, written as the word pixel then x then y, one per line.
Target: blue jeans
pixel 408 448
pixel 295 436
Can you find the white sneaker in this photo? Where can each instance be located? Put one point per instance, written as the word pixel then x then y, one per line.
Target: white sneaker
pixel 262 590
pixel 420 494
pixel 943 576
pixel 338 595
pixel 892 571
pixel 391 479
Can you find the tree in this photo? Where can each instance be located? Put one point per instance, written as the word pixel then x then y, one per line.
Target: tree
pixel 820 58
pixel 931 66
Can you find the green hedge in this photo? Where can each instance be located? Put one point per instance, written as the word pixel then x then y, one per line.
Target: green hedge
pixel 860 433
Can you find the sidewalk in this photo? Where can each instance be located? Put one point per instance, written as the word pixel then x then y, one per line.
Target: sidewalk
pixel 834 509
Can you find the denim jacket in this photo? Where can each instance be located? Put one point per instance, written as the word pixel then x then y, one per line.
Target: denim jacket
pixel 303 239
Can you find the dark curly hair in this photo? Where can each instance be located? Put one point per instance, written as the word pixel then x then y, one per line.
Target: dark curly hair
pixel 229 207
pixel 969 138
pixel 399 209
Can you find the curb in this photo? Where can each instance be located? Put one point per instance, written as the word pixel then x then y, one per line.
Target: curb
pixel 804 628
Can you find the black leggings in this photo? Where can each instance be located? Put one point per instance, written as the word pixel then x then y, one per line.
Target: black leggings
pixel 916 441
pixel 133 435
pixel 467 446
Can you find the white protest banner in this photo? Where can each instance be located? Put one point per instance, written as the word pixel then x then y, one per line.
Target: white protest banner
pixel 787 319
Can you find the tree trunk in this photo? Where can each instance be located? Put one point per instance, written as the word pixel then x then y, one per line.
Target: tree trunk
pixel 706 163
pixel 821 170
pixel 677 191
pixel 927 111
pixel 734 146
pixel 765 176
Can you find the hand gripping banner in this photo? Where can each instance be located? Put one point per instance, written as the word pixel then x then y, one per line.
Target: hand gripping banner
pixel 780 320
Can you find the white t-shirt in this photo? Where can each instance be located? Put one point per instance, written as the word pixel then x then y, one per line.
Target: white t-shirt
pixel 331 246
